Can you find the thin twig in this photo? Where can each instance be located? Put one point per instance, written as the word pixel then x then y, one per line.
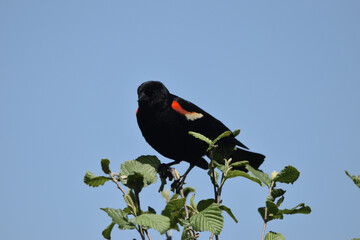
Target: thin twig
pixel 217 192
pixel 147 234
pixel 176 177
pixel 169 235
pixel 113 178
pixel 264 227
pixel 265 213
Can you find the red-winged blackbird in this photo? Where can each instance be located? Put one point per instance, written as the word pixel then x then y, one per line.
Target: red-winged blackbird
pixel 165 121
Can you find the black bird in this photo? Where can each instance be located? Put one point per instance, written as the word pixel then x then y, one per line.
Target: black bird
pixel 165 121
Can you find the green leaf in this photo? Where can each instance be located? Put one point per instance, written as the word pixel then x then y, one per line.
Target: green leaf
pixel 175 196
pixel 280 201
pixel 210 173
pixel 139 171
pixel 192 202
pixel 228 210
pixel 203 204
pixel 149 159
pixel 301 208
pixel 188 190
pixel 105 166
pixel 151 210
pixel 135 182
pixel 239 164
pixel 166 195
pixel 173 206
pixel 272 208
pixel 238 173
pixel 209 219
pixel 158 222
pixel 269 217
pixel 107 231
pixel 236 132
pixel 274 236
pixel 221 167
pixel 288 175
pixel 356 179
pixel 201 137
pixel 119 217
pixel 94 181
pixel 277 192
pixel 223 135
pixel 130 203
pixel 263 177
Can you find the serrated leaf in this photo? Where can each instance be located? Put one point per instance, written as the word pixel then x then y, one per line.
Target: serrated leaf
pixel 149 159
pixel 356 179
pixel 107 231
pixel 94 181
pixel 137 169
pixel 228 210
pixel 263 177
pixel 157 222
pixel 274 236
pixel 238 173
pixel 135 181
pixel 300 208
pixel 209 219
pixel 119 217
pixel 277 192
pixel 201 137
pixel 288 175
pixel 173 206
pixel 269 217
pixel 203 204
pixel 105 166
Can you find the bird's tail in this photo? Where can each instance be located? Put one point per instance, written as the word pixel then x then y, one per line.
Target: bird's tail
pixel 254 159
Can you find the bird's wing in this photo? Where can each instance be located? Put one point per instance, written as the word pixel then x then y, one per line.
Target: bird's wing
pixel 199 120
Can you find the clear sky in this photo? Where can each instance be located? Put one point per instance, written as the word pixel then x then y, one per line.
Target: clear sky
pixel 287 73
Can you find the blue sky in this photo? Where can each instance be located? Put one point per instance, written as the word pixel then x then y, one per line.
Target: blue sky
pixel 287 73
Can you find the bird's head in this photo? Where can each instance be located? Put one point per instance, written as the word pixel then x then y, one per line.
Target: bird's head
pixel 153 94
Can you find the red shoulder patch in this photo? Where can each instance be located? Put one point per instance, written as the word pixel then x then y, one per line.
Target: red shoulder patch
pixel 190 116
pixel 176 106
pixel 137 110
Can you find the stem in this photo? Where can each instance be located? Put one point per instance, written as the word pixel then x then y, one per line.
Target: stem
pixel 213 175
pixel 175 176
pixel 113 178
pixel 217 191
pixel 141 233
pixel 169 235
pixel 265 213
pixel 147 234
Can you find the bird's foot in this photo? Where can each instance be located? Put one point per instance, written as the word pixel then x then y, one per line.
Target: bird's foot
pixel 164 171
pixel 178 184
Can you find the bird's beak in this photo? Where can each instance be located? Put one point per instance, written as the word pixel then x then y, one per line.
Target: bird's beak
pixel 143 97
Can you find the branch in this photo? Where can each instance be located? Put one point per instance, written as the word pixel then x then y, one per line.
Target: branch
pixel 113 178
pixel 175 176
